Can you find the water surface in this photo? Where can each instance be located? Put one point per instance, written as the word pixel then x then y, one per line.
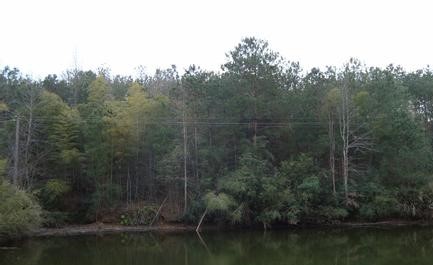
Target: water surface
pixel 355 246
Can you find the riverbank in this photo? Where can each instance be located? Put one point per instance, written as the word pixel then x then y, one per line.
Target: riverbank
pixel 101 228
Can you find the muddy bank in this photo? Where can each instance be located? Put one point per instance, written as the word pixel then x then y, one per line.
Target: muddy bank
pixel 100 228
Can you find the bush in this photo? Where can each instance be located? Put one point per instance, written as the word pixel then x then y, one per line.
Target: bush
pixel 331 214
pixel 2 168
pixel 382 206
pixel 138 216
pixel 19 212
pixel 195 210
pixel 426 201
pixel 52 194
pixel 105 197
pixel 55 219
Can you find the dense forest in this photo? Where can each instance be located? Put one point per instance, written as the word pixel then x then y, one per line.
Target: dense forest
pixel 260 142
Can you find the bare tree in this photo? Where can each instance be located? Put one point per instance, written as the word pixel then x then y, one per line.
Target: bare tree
pixel 16 151
pixel 345 123
pixel 354 135
pixel 331 134
pixel 30 108
pixel 185 176
pixel 330 108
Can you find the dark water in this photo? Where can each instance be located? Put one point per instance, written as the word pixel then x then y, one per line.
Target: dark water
pixel 396 246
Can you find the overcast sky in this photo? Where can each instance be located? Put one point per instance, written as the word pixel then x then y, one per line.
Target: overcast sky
pixel 44 36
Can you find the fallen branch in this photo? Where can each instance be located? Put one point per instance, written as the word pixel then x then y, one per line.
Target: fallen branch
pixel 201 220
pixel 159 210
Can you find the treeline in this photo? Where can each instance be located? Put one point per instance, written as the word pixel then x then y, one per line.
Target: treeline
pixel 260 142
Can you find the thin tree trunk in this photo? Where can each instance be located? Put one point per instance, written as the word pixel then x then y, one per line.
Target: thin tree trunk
pixel 75 88
pixel 159 210
pixel 185 187
pixel 255 112
pixel 344 132
pixel 150 176
pixel 137 180
pixel 185 177
pixel 128 180
pixel 28 141
pixel 16 151
pixel 137 131
pixel 111 168
pixel 255 132
pixel 196 152
pixel 235 151
pixel 332 152
pixel 346 175
pixel 201 220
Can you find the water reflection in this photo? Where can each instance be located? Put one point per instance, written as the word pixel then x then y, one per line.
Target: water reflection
pixel 312 246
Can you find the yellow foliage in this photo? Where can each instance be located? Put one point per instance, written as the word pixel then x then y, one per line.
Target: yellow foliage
pixel 3 107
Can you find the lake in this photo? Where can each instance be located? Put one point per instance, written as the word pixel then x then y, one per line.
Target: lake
pixel 355 246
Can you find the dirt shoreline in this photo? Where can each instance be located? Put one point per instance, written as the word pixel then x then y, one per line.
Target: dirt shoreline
pixel 95 229
pixel 100 228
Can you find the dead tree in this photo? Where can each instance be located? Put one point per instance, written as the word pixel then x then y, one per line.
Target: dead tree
pixel 354 135
pixel 345 123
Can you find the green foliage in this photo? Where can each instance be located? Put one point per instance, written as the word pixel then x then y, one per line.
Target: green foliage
pixel 55 219
pixel 381 206
pixel 3 107
pixel 53 193
pixel 106 196
pixel 19 212
pixel 220 206
pixel 138 216
pixel 295 171
pixel 425 205
pixel 61 132
pixel 124 220
pixel 331 213
pixel 301 175
pixel 3 164
pixel 218 202
pixel 144 215
pixel 262 135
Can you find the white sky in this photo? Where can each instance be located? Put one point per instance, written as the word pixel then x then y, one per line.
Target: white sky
pixel 41 37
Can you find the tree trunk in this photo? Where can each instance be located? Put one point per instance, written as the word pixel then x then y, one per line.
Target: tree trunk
pixel 30 107
pixel 185 177
pixel 346 174
pixel 255 132
pixel 16 151
pixel 332 152
pixel 196 152
pixel 201 220
pixel 344 133
pixel 111 167
pixel 128 181
pixel 159 210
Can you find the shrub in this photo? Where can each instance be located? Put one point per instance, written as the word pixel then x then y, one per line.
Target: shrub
pixel 138 216
pixel 144 216
pixel 382 206
pixel 195 210
pixel 218 202
pixel 331 214
pixel 2 168
pixel 53 193
pixel 106 196
pixel 55 219
pixel 19 212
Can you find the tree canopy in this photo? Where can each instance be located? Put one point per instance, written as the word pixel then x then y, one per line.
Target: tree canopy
pixel 260 142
